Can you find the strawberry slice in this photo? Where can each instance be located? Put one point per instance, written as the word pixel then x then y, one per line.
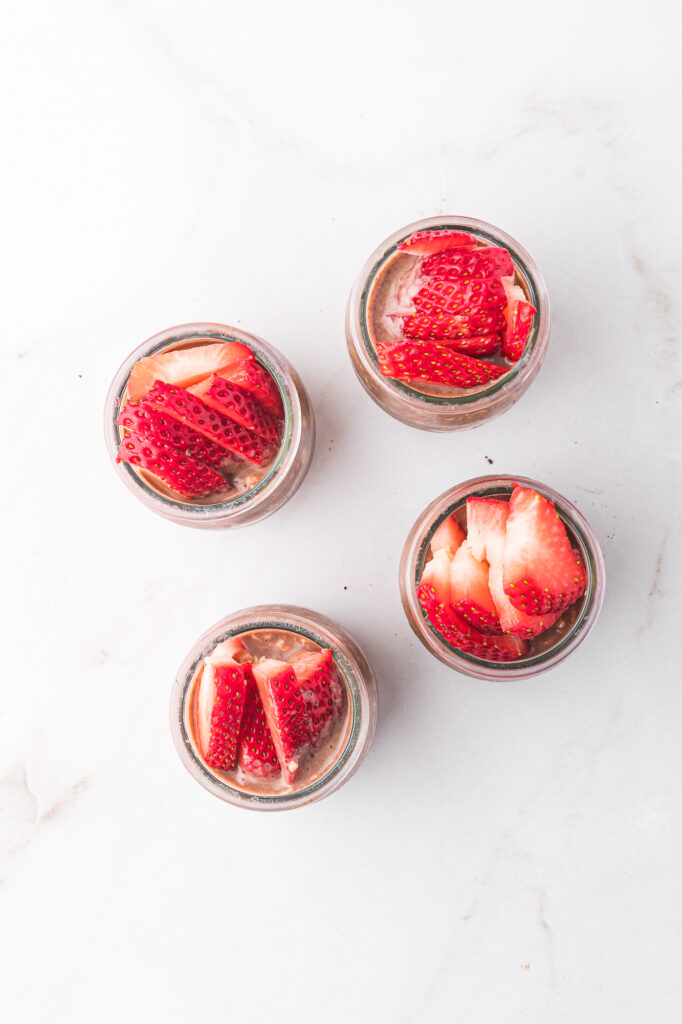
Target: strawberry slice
pixel 286 713
pixel 190 410
pixel 181 366
pixel 314 674
pixel 487 528
pixel 238 404
pixel 542 572
pixel 519 321
pixel 424 243
pixel 144 421
pixel 435 364
pixel 481 261
pixel 470 593
pixel 243 369
pixel 257 754
pixel 448 535
pixel 187 476
pixel 434 596
pixel 475 344
pixel 220 707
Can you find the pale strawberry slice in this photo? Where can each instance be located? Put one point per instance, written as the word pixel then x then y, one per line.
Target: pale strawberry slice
pixel 448 535
pixel 314 674
pixel 188 477
pixel 542 572
pixel 238 404
pixel 435 364
pixel 141 419
pixel 226 652
pixel 519 321
pixel 181 366
pixel 286 713
pixel 220 707
pixel 257 754
pixel 486 533
pixel 470 593
pixel 243 369
pixel 194 413
pixel 424 243
pixel 481 261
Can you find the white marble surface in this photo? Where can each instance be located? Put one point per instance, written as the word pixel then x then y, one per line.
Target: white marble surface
pixel 504 853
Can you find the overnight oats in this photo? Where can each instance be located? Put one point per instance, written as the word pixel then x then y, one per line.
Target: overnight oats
pixel 209 426
pixel 501 578
pixel 275 707
pixel 448 323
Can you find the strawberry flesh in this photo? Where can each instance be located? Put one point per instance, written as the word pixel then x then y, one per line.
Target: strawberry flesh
pixel 187 476
pixel 243 369
pixel 239 405
pixel 193 412
pixel 286 713
pixel 448 535
pixel 470 592
pixel 542 572
pixel 145 421
pixel 475 344
pixel 221 707
pixel 425 243
pixel 434 364
pixel 480 261
pixel 518 321
pixel 181 366
pixel 257 754
pixel 314 674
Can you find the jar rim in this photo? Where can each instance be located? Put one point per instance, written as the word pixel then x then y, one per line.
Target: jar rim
pixel 282 374
pixel 360 687
pixel 416 547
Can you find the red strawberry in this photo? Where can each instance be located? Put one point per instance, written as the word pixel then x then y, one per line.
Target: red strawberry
pixel 220 707
pixel 470 593
pixel 435 364
pixel 448 535
pixel 314 672
pixel 424 243
pixel 519 321
pixel 186 476
pixel 181 366
pixel 286 713
pixel 487 527
pixel 434 593
pixel 542 572
pixel 257 754
pixel 481 261
pixel 475 345
pixel 144 421
pixel 243 369
pixel 190 410
pixel 238 404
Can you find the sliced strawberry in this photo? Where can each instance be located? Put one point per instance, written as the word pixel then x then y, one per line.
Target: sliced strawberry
pixel 140 419
pixel 486 533
pixel 470 593
pixel 286 713
pixel 542 572
pixel 476 344
pixel 424 243
pixel 220 707
pixel 243 369
pixel 314 672
pixel 190 410
pixel 186 476
pixel 181 366
pixel 448 535
pixel 257 754
pixel 435 364
pixel 519 321
pixel 226 652
pixel 238 404
pixel 481 261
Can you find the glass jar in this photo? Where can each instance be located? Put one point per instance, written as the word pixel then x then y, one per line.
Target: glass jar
pixel 282 479
pixel 551 647
pixel 469 407
pixel 361 704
